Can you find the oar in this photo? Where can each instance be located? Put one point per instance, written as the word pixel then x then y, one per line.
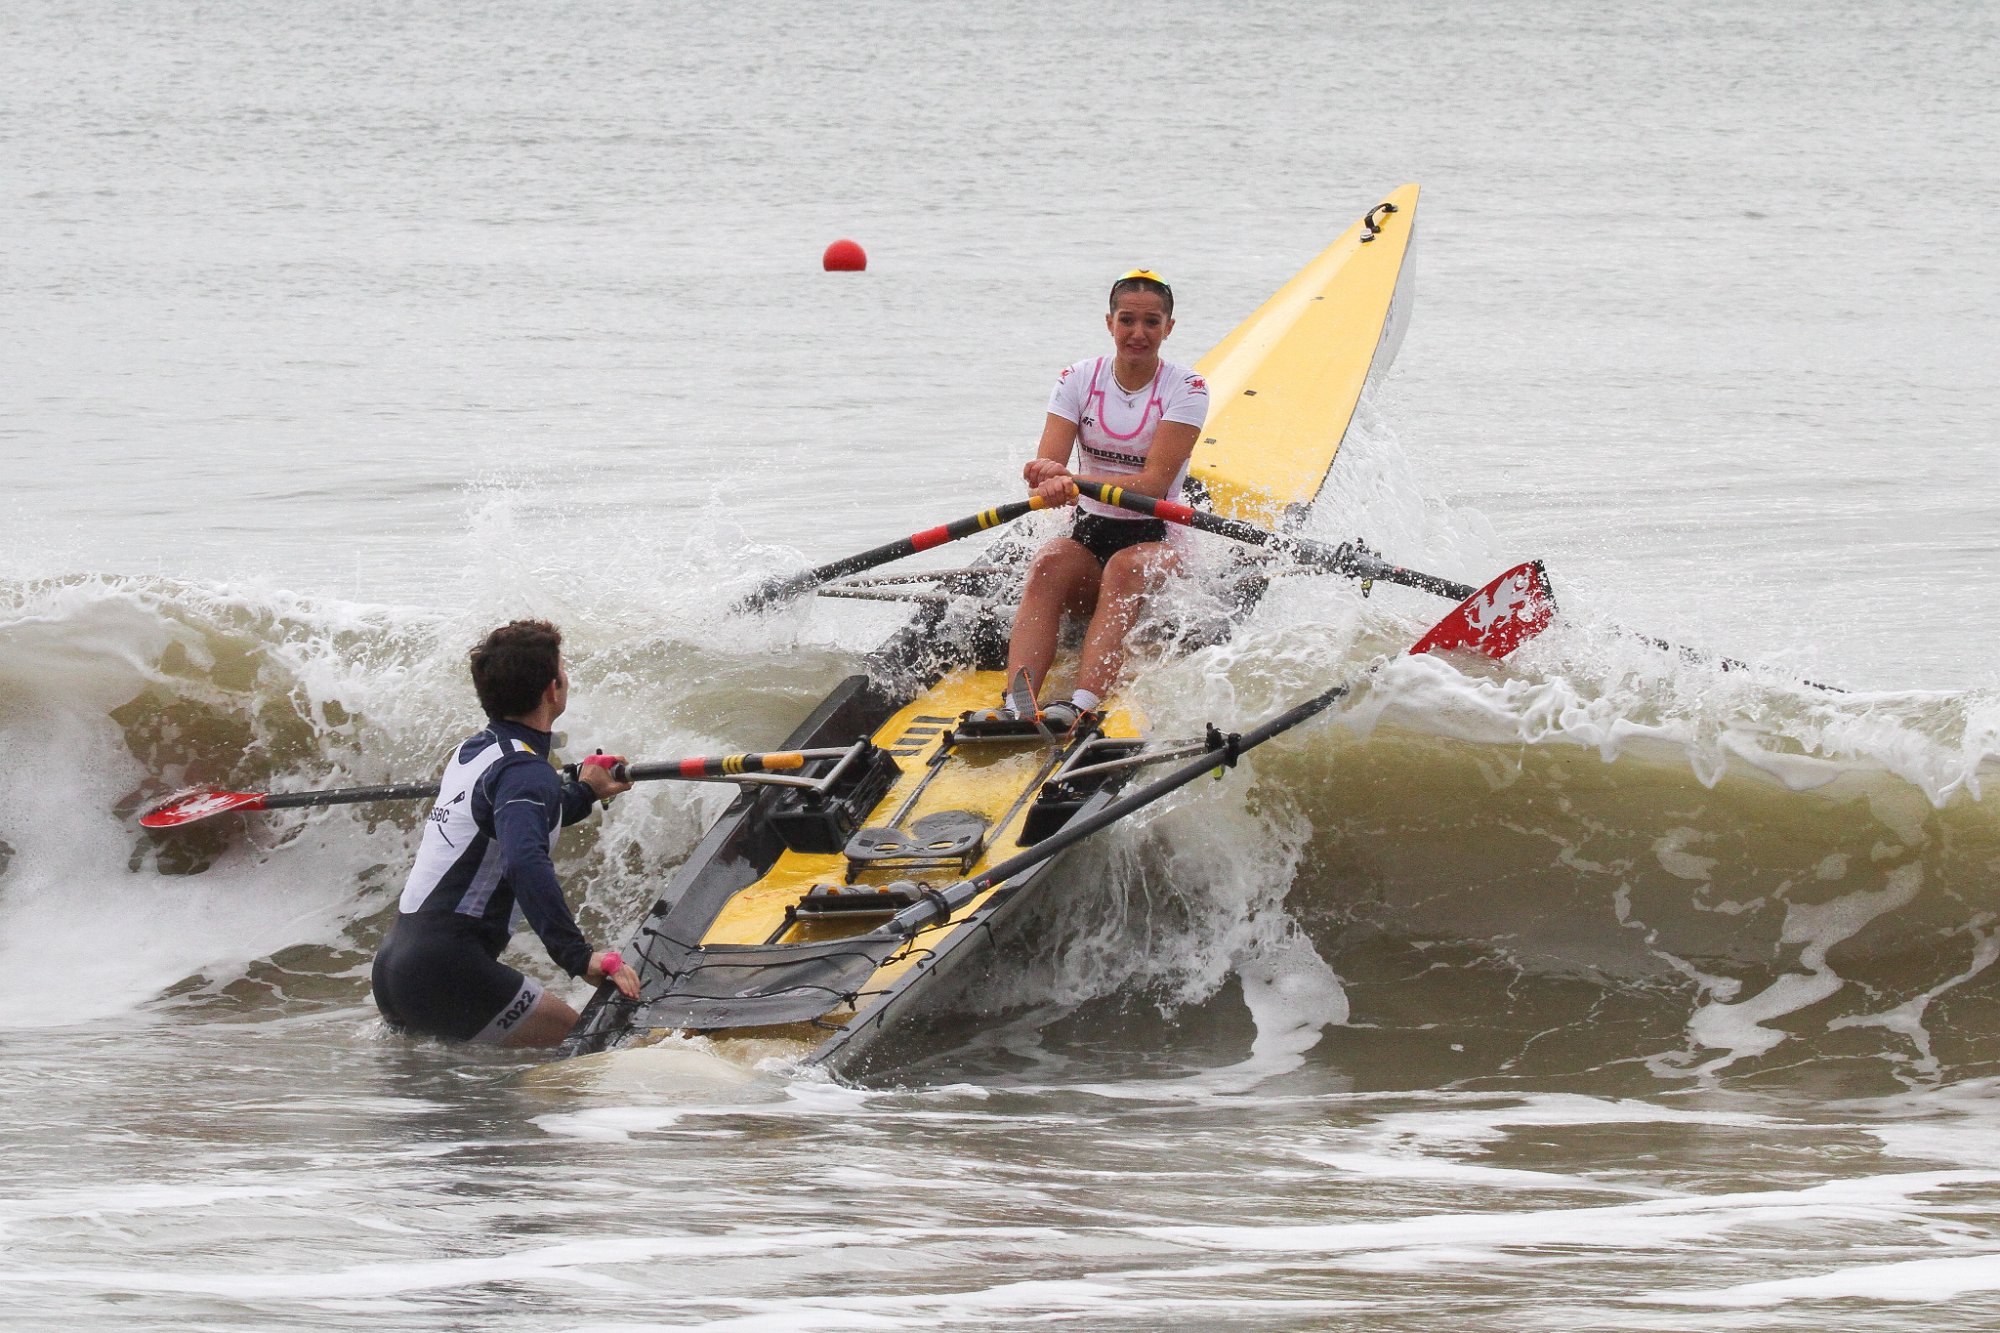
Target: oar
pixel 1345 558
pixel 792 585
pixel 187 807
pixel 1354 562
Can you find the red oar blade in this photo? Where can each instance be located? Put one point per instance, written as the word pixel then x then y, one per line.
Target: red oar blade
pixel 1500 617
pixel 188 806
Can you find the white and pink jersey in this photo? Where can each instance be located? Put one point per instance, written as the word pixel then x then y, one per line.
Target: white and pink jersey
pixel 1115 427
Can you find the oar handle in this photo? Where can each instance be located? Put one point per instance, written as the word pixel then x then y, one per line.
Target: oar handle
pixel 1346 559
pixel 792 585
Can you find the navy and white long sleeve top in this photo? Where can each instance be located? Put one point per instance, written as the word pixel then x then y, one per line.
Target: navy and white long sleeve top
pixel 485 854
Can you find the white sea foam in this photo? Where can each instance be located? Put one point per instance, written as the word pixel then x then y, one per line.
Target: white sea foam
pixel 349 695
pixel 1449 1238
pixel 568 1261
pixel 133 1199
pixel 1740 1028
pixel 1921 1281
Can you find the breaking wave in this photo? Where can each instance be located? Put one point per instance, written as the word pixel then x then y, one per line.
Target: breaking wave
pixel 1601 862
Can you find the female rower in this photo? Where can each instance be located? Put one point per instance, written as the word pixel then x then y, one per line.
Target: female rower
pixel 1132 419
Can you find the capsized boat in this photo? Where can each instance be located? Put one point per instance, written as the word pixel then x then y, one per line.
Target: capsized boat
pixel 829 897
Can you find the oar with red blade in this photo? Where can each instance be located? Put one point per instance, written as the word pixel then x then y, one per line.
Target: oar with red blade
pixel 1355 562
pixel 1495 619
pixel 188 807
pixel 1346 558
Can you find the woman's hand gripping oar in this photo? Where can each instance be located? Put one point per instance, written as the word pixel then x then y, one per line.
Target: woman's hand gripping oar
pixel 188 807
pixel 792 585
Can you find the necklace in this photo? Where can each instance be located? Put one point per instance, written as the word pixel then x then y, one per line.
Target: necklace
pixel 1134 393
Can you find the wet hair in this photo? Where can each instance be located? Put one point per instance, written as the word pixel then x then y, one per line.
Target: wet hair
pixel 513 665
pixel 1136 284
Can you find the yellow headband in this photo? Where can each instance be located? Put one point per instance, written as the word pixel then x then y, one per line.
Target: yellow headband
pixel 1144 274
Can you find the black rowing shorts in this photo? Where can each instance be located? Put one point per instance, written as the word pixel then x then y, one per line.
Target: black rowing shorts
pixel 437 975
pixel 1105 537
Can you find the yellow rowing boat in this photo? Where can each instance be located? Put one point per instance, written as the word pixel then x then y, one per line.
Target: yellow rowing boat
pixel 775 925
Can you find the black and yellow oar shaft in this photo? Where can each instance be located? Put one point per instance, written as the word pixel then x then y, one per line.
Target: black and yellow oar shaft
pixel 794 584
pixel 714 766
pixel 971 523
pixel 725 765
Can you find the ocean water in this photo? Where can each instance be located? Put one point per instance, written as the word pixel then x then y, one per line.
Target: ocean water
pixel 1604 989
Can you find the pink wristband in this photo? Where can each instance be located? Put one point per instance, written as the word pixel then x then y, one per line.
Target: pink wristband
pixel 612 962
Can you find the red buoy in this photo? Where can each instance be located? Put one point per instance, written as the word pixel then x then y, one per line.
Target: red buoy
pixel 844 256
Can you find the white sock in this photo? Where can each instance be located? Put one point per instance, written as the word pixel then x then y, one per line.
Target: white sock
pixel 1085 701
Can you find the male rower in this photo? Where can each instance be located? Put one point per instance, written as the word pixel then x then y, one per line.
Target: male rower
pixel 485 857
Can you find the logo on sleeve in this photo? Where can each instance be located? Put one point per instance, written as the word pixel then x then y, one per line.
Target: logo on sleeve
pixel 1065 374
pixel 1197 384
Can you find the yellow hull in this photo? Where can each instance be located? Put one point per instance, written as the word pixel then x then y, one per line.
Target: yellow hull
pixel 996 782
pixel 1284 384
